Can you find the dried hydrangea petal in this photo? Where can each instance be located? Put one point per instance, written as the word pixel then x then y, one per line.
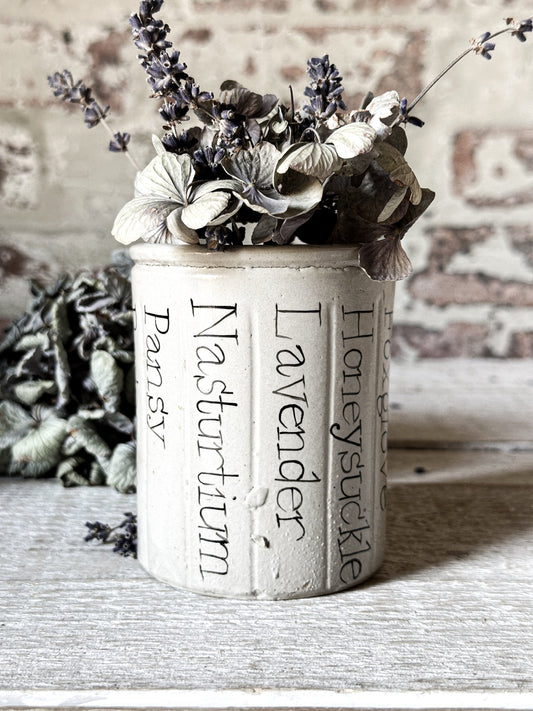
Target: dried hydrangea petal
pixel 385 260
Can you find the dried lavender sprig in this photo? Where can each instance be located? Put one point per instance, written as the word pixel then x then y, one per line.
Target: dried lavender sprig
pixel 169 80
pixel 125 543
pixel 165 72
pixel 481 45
pixel 66 89
pixel 325 90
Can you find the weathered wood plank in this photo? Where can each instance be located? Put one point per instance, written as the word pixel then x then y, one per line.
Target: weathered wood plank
pixel 462 466
pixel 450 609
pixel 461 401
pixel 446 623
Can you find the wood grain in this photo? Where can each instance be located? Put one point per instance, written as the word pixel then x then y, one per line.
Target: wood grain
pixel 446 623
pixel 487 403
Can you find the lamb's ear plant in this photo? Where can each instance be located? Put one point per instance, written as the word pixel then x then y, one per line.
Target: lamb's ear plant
pixel 251 165
pixel 67 383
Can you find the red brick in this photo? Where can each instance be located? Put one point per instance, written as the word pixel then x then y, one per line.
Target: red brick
pixel 197 34
pixel 332 6
pixel 521 345
pixel 231 5
pixel 18 168
pixel 440 289
pixel 408 68
pixel 521 237
pixel 106 53
pixel 457 340
pixel 398 4
pixel 469 150
pixel 448 241
pixel 401 67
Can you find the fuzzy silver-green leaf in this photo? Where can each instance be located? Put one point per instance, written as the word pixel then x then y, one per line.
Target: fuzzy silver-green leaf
pixel 108 377
pixel 85 435
pixel 15 422
pixel 121 470
pixel 40 450
pixel 30 391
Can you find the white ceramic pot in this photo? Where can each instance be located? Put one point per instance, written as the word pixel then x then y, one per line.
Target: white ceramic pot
pixel 262 414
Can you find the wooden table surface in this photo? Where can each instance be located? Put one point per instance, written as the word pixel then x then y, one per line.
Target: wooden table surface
pixel 446 623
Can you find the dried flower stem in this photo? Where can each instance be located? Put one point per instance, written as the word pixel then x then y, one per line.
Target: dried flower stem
pixel 474 47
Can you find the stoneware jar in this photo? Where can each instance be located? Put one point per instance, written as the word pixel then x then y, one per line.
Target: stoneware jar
pixel 262 414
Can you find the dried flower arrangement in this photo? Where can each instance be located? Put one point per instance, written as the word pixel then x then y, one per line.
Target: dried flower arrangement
pixel 317 174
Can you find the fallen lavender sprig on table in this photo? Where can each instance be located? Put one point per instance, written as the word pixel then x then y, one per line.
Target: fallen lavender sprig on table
pixel 123 536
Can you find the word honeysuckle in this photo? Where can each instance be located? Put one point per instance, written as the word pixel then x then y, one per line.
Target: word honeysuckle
pixel 317 174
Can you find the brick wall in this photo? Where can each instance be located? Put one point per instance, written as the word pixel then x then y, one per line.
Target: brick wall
pixel 472 290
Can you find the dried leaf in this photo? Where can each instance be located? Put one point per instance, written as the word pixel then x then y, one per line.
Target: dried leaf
pixel 254 166
pixel 319 160
pixel 198 190
pixel 84 434
pixel 129 385
pixel 303 193
pixel 166 177
pixel 30 341
pixel 40 450
pixel 96 474
pixel 146 218
pixel 384 109
pixel 205 209
pixel 119 422
pixel 267 200
pixel 67 472
pixel 398 139
pixel 121 470
pixel 385 260
pixel 178 231
pixel 413 212
pixel 393 163
pixel 15 422
pixel 108 378
pixel 392 204
pixel 353 139
pixel 29 392
pixel 30 364
pixel 158 145
pixel 384 105
pixel 246 102
pixel 264 229
pixel 59 333
pixel 286 229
